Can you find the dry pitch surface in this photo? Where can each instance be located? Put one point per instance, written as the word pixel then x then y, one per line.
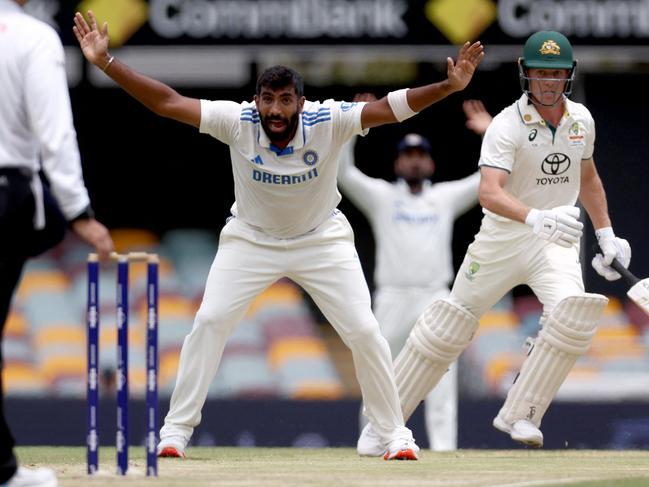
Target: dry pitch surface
pixel 340 467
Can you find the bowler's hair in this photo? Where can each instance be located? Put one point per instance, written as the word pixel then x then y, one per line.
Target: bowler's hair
pixel 277 77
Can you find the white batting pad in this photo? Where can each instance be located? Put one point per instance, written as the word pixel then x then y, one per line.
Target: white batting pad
pixel 639 294
pixel 440 334
pixel 566 335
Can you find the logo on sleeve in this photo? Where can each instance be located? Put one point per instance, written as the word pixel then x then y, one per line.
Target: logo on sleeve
pixel 310 157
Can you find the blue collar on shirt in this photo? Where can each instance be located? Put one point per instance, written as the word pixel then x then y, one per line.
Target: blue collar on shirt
pixel 286 151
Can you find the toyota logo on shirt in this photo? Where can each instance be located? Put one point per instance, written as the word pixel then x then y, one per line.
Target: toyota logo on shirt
pixel 555 164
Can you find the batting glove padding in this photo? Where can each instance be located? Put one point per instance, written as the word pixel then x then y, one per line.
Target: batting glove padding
pixel 560 225
pixel 611 247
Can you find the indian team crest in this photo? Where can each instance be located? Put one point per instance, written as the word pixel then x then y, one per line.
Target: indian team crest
pixel 474 267
pixel 310 157
pixel 550 47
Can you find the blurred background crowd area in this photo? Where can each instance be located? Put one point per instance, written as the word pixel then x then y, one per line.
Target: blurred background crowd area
pixel 163 187
pixel 283 349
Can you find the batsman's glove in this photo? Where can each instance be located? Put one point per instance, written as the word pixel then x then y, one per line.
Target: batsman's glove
pixel 611 247
pixel 560 225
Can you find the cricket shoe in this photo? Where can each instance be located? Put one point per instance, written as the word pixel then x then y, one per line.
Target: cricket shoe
pixel 402 449
pixel 39 477
pixel 522 431
pixel 171 447
pixel 370 443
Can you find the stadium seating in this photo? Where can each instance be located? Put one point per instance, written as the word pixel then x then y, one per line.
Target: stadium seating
pixel 276 352
pixel 614 368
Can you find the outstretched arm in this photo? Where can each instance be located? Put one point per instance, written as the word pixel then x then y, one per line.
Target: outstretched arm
pixel 477 116
pixel 458 77
pixel 156 96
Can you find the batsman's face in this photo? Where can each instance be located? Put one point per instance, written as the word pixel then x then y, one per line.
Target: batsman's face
pixel 414 165
pixel 547 85
pixel 279 111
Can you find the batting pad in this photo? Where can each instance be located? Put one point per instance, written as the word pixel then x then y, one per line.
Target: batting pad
pixel 440 334
pixel 566 335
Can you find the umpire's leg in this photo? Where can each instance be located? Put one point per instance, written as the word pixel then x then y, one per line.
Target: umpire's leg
pixel 10 271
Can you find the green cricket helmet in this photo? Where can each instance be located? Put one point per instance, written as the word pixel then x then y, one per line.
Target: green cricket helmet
pixel 547 49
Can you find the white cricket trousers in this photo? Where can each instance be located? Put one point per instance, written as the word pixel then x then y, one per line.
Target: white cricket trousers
pixel 507 254
pixel 325 264
pixel 397 310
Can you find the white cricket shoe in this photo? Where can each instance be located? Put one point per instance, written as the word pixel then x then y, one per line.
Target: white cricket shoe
pixel 171 447
pixel 39 477
pixel 402 449
pixel 370 443
pixel 522 430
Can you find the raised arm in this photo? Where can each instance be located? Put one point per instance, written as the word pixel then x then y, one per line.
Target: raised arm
pixel 477 116
pixel 400 105
pixel 156 96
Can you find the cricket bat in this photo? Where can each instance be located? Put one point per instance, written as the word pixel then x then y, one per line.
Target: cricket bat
pixel 639 290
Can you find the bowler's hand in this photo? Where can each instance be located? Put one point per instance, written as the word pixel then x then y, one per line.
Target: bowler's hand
pixel 96 234
pixel 477 116
pixel 93 42
pixel 460 73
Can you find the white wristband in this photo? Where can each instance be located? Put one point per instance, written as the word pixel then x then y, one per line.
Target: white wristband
pixel 399 104
pixel 605 233
pixel 532 217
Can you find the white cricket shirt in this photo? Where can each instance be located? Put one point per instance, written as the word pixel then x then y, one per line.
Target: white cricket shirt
pixel 285 193
pixel 413 232
pixel 35 114
pixel 544 167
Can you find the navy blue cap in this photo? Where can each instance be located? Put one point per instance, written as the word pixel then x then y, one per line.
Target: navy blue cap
pixel 414 141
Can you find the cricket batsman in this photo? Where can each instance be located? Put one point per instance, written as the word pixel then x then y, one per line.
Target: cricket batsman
pixel 536 162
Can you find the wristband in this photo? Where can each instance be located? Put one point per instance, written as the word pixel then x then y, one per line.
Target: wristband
pixel 531 217
pixel 605 233
pixel 398 102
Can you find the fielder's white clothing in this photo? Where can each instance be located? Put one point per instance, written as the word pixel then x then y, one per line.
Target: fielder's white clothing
pixel 545 172
pixel 285 225
pixel 39 126
pixel 413 235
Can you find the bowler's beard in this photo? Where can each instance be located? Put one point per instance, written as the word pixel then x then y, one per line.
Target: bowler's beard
pixel 285 134
pixel 414 180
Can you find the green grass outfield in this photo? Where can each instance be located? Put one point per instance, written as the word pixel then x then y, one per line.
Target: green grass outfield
pixel 340 467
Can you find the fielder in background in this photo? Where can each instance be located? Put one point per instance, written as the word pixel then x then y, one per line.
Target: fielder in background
pixel 412 222
pixel 284 152
pixel 536 161
pixel 36 133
